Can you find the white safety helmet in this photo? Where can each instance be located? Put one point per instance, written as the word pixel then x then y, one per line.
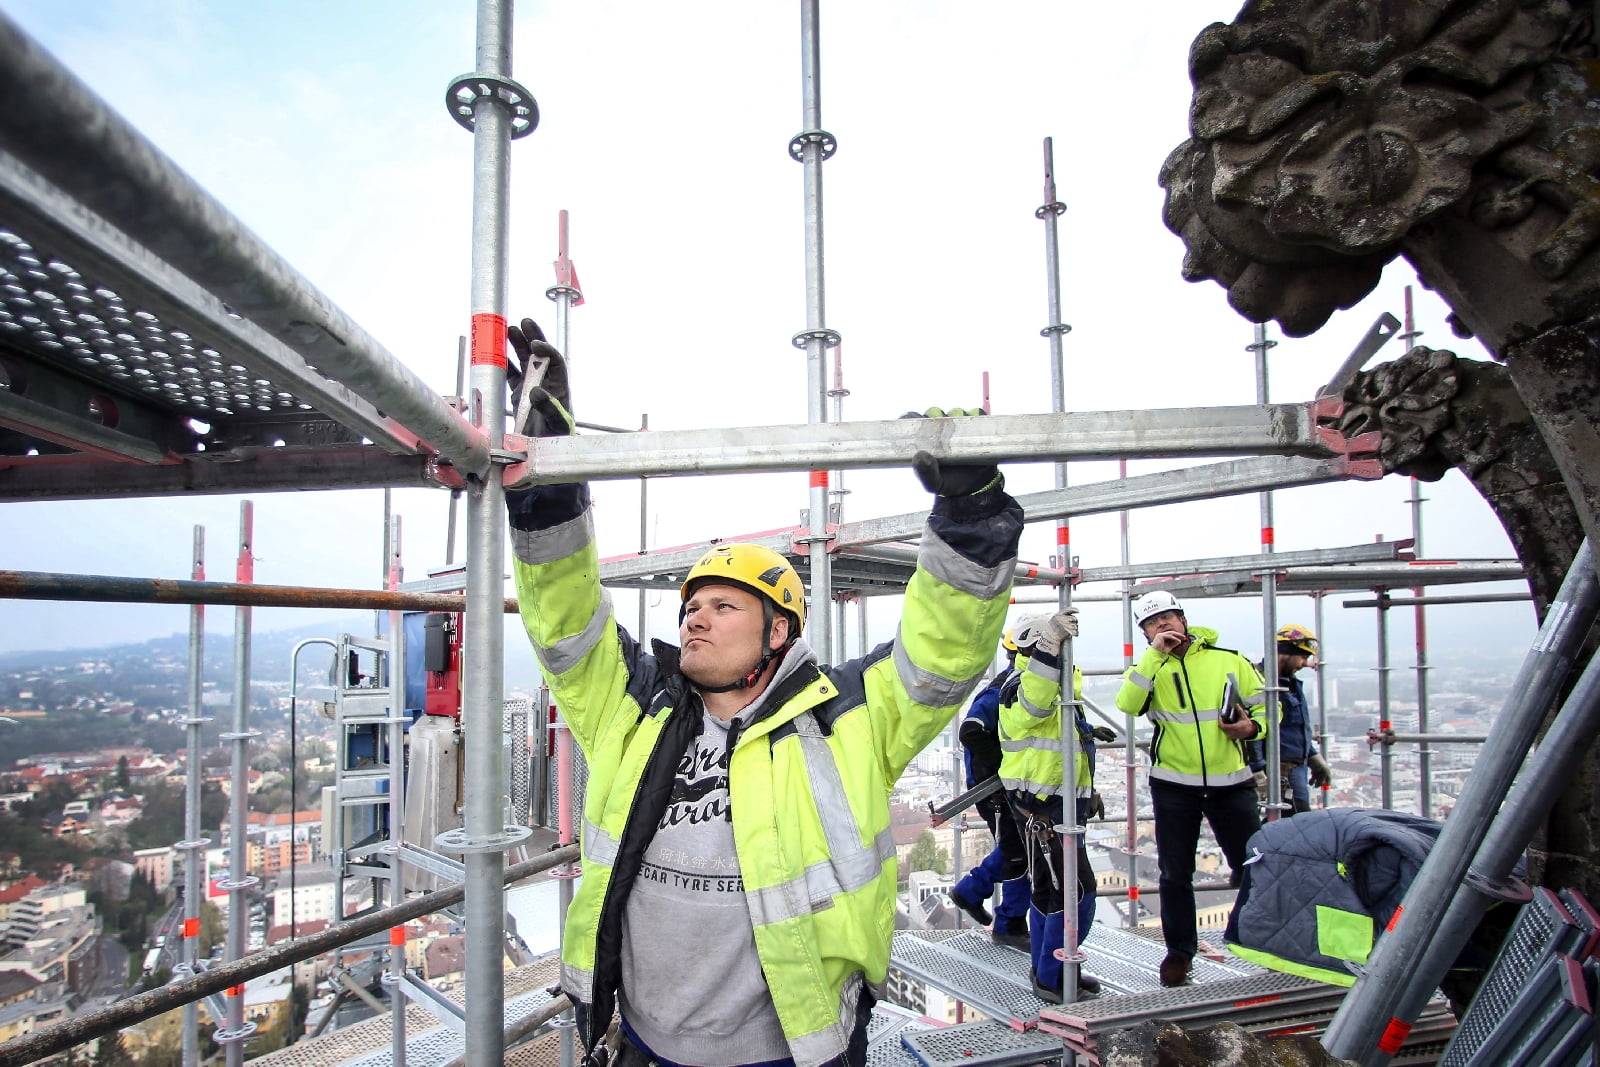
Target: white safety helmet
pixel 1026 634
pixel 1152 604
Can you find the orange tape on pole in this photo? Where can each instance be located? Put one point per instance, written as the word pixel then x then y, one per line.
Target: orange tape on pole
pixel 819 479
pixel 397 936
pixel 488 339
pixel 1394 1036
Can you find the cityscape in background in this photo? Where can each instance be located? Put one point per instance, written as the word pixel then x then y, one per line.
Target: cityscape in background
pixel 91 803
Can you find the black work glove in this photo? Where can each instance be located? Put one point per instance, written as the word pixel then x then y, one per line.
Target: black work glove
pixel 1104 734
pixel 1321 773
pixel 537 375
pixel 943 477
pixel 1097 805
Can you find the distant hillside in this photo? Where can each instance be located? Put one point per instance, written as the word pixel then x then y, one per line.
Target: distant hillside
pixel 269 650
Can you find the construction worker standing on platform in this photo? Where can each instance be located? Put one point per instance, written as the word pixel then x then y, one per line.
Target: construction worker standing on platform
pixel 1005 868
pixel 1205 703
pixel 739 868
pixel 1302 765
pixel 1031 769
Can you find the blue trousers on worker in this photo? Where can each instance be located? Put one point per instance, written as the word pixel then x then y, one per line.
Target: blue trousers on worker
pixel 1045 927
pixel 980 883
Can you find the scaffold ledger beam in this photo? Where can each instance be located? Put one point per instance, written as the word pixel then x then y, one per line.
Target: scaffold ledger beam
pixel 1266 429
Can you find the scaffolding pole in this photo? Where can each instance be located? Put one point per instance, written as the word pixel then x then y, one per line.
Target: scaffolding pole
pixel 233 1036
pixel 1368 1008
pixel 1420 611
pixel 1273 688
pixel 1322 686
pixel 1131 847
pixel 395 978
pixel 1071 830
pixel 1385 723
pixel 1154 433
pixel 811 147
pixel 193 846
pixel 492 106
pixel 112 589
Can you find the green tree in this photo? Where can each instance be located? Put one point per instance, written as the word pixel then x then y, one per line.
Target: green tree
pixel 110 1052
pixel 926 855
pixel 124 780
pixel 212 931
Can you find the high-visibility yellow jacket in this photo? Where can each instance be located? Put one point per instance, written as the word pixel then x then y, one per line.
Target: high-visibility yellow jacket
pixel 1030 729
pixel 808 781
pixel 1182 695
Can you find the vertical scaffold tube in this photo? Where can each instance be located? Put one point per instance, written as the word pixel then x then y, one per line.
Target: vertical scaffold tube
pixel 566 798
pixel 1130 753
pixel 1385 724
pixel 1419 613
pixel 809 148
pixel 1368 1010
pixel 193 846
pixel 239 878
pixel 1072 828
pixel 1322 687
pixel 1269 608
pixel 397 807
pixel 482 838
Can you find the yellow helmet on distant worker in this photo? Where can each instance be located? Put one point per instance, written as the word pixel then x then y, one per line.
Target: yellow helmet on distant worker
pixel 1299 637
pixel 760 570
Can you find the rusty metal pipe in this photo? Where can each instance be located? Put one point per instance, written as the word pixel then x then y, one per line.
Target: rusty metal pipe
pixel 147 1005
pixel 110 589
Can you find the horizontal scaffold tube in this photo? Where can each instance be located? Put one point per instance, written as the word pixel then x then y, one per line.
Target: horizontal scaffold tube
pixel 107 589
pixel 147 1005
pixel 1159 433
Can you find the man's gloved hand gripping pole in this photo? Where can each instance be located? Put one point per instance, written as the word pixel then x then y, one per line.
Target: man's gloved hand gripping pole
pixel 541 407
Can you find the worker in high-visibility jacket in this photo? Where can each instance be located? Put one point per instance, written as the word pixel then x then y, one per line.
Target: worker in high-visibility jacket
pixel 739 866
pixel 1205 702
pixel 1031 770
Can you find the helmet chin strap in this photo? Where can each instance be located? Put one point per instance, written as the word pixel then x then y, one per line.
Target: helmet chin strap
pixel 767 656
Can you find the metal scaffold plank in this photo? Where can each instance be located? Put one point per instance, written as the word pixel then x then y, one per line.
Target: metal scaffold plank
pixel 85 152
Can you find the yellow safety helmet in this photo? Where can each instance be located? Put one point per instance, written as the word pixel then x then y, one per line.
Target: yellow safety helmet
pixel 1301 637
pixel 760 570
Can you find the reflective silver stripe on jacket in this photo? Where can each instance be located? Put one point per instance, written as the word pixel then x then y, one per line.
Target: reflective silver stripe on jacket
pixel 1033 709
pixel 833 1040
pixel 1047 744
pixel 1040 669
pixel 1140 680
pixel 849 866
pixel 925 687
pixel 1215 781
pixel 959 572
pixel 598 845
pixel 568 652
pixel 1038 788
pixel 534 547
pixel 577 983
pixel 1204 715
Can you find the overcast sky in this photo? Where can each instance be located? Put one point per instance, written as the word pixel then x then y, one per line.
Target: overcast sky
pixel 664 132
